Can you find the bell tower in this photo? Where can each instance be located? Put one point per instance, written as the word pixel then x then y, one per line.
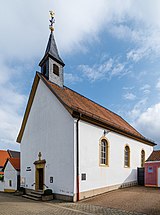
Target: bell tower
pixel 51 64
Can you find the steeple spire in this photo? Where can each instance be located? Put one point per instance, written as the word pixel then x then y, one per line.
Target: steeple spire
pixel 51 64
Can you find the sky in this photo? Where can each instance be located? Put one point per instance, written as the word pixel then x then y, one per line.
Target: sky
pixel 111 49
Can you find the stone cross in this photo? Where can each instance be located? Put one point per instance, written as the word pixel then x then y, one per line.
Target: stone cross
pixel 40 156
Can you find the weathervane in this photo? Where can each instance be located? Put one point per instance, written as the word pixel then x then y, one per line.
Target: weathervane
pixel 52 20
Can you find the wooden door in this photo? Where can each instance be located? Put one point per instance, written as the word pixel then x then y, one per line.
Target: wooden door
pixel 41 178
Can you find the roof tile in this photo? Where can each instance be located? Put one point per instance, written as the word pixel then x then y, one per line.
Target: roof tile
pixel 15 163
pixel 3 157
pixel 155 156
pixel 84 105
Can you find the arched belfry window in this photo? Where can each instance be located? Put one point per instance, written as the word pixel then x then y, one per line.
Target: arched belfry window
pixel 104 160
pixel 55 69
pixel 126 156
pixel 142 158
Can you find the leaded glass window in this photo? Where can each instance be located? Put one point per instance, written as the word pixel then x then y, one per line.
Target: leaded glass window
pixel 126 156
pixel 104 152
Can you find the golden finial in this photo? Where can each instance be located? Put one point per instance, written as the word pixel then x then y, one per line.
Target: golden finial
pixel 52 20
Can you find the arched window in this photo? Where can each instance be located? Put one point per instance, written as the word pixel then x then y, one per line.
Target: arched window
pixel 142 158
pixel 127 156
pixel 55 69
pixel 104 152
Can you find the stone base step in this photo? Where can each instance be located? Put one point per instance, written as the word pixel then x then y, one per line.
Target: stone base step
pixel 32 197
pixel 36 195
pixel 37 192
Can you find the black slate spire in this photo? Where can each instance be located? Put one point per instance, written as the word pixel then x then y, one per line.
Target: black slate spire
pixel 52 51
pixel 51 64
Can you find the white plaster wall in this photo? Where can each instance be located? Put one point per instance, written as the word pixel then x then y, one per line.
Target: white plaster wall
pixel 10 174
pixel 1 186
pixel 98 176
pixel 49 130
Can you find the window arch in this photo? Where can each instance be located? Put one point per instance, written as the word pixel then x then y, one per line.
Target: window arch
pixel 142 158
pixel 126 156
pixel 104 152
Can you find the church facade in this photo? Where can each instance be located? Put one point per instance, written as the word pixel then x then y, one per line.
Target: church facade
pixel 71 144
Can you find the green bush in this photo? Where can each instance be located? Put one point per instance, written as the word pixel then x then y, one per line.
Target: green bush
pixel 23 190
pixel 1 177
pixel 47 192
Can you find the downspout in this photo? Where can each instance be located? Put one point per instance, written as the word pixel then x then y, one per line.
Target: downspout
pixel 77 140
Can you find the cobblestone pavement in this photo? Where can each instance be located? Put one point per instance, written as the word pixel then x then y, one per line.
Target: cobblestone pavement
pixel 140 199
pixel 15 205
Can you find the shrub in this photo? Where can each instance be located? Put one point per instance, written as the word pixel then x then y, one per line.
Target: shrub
pixel 22 189
pixel 47 192
pixel 1 177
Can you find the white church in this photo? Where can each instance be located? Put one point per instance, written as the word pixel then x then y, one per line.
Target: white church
pixel 71 144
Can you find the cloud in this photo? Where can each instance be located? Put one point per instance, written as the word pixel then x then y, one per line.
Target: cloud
pixel 71 79
pixel 129 96
pixel 128 88
pixel 146 89
pixel 148 122
pixel 137 54
pixel 106 70
pixel 12 104
pixel 138 108
pixel 158 85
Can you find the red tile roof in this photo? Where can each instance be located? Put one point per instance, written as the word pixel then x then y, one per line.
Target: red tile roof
pixel 83 105
pixel 1 173
pixel 3 157
pixel 155 156
pixel 15 163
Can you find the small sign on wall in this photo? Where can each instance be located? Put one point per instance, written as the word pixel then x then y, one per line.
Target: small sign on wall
pixel 150 169
pixel 22 181
pixel 83 176
pixel 51 179
pixel 28 168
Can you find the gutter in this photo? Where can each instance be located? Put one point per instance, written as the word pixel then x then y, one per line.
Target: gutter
pixel 77 155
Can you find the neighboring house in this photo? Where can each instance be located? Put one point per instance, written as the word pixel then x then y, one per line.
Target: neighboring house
pixel 4 155
pixel 13 154
pixel 71 144
pixel 152 170
pixel 12 175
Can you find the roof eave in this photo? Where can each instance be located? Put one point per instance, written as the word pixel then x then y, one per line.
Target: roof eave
pixel 53 58
pixel 28 108
pixel 89 119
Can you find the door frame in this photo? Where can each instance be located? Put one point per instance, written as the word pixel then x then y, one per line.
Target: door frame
pixel 40 164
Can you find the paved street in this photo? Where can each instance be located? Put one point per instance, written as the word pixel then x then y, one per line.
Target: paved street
pixel 15 205
pixel 140 199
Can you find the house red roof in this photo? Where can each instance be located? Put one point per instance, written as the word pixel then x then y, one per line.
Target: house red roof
pixel 89 110
pixel 15 163
pixel 155 156
pixel 3 157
